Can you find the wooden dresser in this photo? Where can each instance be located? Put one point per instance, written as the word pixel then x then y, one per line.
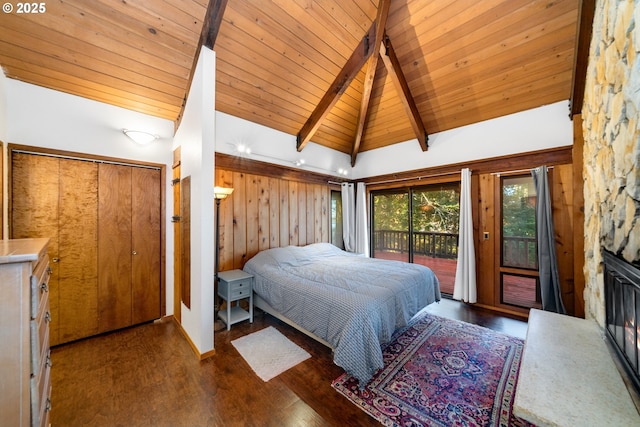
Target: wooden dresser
pixel 25 364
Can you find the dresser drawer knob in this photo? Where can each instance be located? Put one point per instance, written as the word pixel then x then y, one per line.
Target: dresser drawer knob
pixel 55 259
pixel 134 253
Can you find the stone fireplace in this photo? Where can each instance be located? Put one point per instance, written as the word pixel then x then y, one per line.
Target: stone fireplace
pixel 622 309
pixel 611 129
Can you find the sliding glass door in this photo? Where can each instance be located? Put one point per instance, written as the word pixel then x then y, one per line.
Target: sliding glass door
pixel 390 214
pixel 419 225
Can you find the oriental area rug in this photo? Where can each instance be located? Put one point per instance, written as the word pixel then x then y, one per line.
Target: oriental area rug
pixel 269 353
pixel 442 372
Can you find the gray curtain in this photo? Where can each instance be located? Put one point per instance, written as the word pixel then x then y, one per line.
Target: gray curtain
pixel 547 260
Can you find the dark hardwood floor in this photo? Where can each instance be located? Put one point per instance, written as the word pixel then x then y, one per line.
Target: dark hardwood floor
pixel 149 376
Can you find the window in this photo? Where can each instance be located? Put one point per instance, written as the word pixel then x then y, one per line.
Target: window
pixel 419 225
pixel 336 219
pixel 519 250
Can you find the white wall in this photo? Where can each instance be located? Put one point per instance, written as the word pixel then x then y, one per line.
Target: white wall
pixel 46 118
pixel 272 146
pixel 3 155
pixel 537 129
pixel 3 106
pixel 196 137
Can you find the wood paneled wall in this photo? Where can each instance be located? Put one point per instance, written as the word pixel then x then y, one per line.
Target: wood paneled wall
pixel 268 212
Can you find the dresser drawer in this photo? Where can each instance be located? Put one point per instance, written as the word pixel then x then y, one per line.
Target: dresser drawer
pixel 45 421
pixel 39 285
pixel 41 395
pixel 40 336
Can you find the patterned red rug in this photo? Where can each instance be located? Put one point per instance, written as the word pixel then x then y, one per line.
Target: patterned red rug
pixel 442 372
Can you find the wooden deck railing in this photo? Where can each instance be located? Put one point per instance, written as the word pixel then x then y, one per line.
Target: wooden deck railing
pixel 438 245
pixel 521 252
pixel 517 252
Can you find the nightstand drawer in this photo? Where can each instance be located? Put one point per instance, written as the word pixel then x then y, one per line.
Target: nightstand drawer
pixel 240 293
pixel 240 286
pixel 235 289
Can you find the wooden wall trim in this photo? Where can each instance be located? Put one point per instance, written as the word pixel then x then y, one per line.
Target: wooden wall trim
pixel 553 156
pixel 250 166
pixel 80 156
pixel 578 217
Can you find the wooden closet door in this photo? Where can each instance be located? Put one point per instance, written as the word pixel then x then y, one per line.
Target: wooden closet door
pixel 145 238
pixel 34 213
pixel 78 253
pixel 114 246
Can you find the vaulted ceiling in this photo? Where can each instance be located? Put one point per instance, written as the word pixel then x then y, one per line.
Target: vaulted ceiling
pixel 304 67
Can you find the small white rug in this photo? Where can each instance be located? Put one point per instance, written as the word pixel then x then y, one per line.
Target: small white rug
pixel 269 353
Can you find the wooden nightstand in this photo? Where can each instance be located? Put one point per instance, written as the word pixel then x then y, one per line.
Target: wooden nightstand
pixel 235 285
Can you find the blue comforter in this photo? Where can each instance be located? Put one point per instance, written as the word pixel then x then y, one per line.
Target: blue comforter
pixel 353 302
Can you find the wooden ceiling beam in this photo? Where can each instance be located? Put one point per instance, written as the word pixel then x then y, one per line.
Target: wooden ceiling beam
pixel 210 27
pixel 354 64
pixel 392 65
pixel 381 22
pixel 586 13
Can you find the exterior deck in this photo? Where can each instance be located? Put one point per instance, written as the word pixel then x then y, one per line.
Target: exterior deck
pixel 518 291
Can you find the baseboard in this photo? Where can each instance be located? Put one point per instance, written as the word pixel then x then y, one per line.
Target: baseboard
pixel 200 356
pixel 519 314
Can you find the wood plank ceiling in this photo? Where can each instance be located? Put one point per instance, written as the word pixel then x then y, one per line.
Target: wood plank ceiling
pixel 279 61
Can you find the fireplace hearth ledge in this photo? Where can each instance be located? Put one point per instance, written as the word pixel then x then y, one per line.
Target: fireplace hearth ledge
pixel 568 377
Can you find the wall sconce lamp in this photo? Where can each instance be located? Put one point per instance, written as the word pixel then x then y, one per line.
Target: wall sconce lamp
pixel 219 193
pixel 140 137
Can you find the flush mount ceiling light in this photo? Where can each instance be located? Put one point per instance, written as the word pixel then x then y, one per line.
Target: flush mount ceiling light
pixel 140 137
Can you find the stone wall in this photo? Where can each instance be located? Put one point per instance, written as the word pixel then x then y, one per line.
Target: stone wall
pixel 611 126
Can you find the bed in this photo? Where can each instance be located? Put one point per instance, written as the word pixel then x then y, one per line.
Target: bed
pixel 349 302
